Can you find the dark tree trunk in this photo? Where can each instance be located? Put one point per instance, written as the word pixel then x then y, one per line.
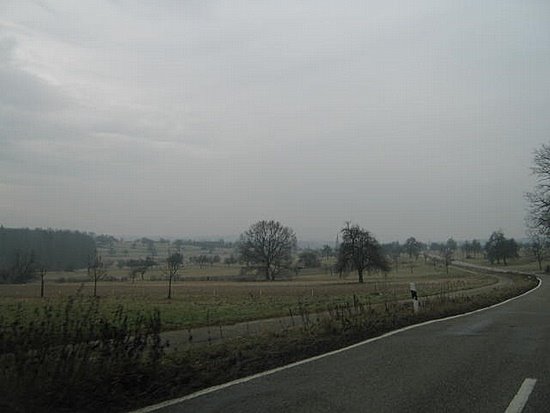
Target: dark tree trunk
pixel 42 285
pixel 360 273
pixel 170 286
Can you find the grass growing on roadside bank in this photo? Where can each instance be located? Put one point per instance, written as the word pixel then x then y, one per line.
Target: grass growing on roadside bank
pixel 197 304
pixel 347 323
pixel 71 357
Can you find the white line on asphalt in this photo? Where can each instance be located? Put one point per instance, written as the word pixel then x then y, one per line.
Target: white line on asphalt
pixel 518 402
pixel 213 389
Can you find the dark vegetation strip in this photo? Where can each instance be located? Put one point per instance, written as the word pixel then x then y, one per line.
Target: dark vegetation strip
pixel 73 358
pixel 23 251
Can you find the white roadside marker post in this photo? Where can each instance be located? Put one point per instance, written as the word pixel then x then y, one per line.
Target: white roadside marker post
pixel 414 296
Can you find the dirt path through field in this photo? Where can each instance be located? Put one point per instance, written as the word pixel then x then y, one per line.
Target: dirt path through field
pixel 206 335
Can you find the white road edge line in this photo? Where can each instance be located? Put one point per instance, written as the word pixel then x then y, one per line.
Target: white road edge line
pixel 520 399
pixel 213 389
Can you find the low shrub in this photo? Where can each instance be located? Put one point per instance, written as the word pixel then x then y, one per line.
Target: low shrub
pixel 71 357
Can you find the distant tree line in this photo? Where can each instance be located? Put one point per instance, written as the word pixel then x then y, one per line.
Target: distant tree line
pixel 24 251
pixel 204 260
pixel 267 247
pixel 206 245
pixel 105 241
pixel 139 267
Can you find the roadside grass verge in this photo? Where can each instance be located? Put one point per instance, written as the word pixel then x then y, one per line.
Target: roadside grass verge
pixel 199 304
pixel 345 324
pixel 71 357
pixel 523 263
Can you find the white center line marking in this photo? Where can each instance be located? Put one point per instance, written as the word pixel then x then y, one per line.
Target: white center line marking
pixel 518 402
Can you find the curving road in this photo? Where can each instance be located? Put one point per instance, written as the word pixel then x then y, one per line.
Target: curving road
pixel 490 361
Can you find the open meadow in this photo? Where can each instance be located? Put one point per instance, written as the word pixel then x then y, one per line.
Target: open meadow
pixel 116 346
pixel 201 303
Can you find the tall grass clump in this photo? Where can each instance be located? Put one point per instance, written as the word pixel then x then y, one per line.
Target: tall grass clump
pixel 72 357
pixel 359 319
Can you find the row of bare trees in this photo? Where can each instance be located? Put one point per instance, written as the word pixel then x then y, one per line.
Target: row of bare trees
pixel 172 264
pixel 267 246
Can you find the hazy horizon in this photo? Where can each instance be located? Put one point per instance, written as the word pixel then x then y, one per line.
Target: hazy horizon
pixel 302 242
pixel 201 118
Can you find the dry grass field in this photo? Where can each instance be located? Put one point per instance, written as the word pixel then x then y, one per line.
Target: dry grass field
pixel 200 303
pixel 107 354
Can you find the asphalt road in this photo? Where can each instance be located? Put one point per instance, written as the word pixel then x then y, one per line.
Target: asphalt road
pixel 476 363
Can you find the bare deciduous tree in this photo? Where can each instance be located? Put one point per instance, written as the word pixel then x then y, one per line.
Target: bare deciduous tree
pixel 43 272
pixel 96 269
pixel 498 247
pixel 140 267
pixel 267 246
pixel 360 251
pixel 24 266
pixel 539 210
pixel 538 218
pixel 538 244
pixel 412 247
pixel 174 262
pixel 447 255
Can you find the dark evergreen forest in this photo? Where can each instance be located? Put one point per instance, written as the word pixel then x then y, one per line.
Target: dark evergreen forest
pixel 24 251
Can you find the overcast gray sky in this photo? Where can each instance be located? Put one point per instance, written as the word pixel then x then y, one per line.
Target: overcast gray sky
pixel 198 118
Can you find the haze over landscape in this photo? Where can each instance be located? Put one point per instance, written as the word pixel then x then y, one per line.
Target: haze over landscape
pixel 199 118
